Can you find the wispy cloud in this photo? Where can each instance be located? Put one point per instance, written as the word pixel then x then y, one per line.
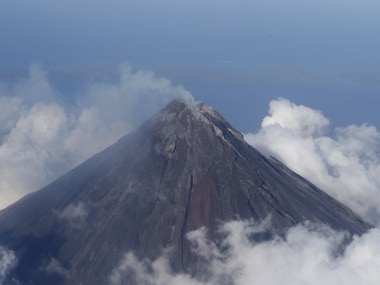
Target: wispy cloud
pixel 75 214
pixel 8 261
pixel 55 267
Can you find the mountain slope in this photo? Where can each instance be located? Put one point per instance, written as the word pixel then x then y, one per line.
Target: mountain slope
pixel 183 169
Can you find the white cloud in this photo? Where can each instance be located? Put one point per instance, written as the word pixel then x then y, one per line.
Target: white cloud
pixel 75 214
pixel 8 261
pixel 135 271
pixel 308 254
pixel 299 119
pixel 345 164
pixel 41 138
pixel 201 244
pixel 55 267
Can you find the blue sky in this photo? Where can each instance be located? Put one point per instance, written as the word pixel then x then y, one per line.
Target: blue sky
pixel 233 55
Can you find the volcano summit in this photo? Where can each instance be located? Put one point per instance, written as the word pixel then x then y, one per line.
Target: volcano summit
pixel 183 169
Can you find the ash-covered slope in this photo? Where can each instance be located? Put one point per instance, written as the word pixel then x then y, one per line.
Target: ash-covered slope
pixel 183 169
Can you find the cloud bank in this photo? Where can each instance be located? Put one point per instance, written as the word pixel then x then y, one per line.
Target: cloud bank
pixel 345 161
pixel 308 254
pixel 41 136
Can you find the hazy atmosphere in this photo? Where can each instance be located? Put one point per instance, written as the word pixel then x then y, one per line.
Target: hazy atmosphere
pixel 300 80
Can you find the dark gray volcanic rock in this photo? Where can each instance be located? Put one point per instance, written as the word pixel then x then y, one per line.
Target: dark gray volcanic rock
pixel 183 169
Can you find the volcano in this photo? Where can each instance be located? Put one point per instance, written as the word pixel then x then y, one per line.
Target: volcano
pixel 183 169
